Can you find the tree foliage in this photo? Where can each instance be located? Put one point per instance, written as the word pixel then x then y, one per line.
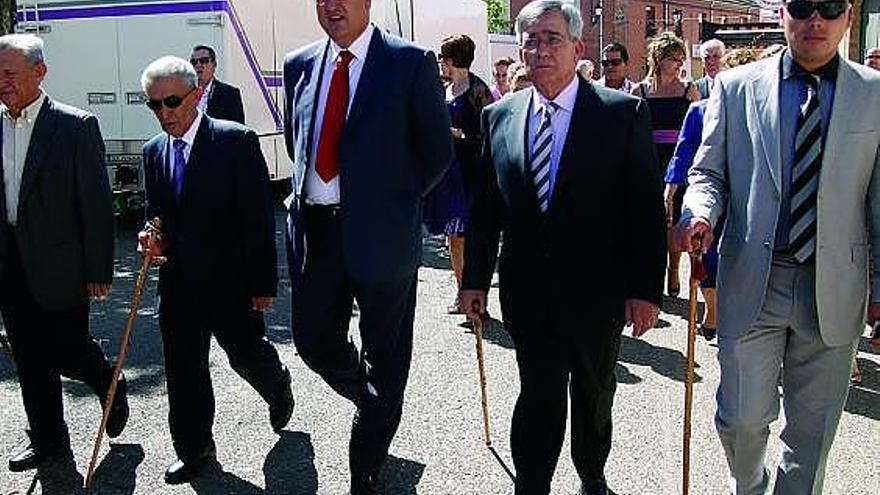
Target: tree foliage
pixel 497 17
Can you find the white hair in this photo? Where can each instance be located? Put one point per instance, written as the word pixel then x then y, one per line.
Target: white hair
pixel 535 9
pixel 28 44
pixel 169 67
pixel 710 45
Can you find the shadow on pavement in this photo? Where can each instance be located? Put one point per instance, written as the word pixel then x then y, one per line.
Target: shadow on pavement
pixel 289 469
pixel 400 476
pixel 434 253
pixel 116 473
pixel 58 477
pixel 680 307
pixel 666 362
pixel 864 399
pixel 493 331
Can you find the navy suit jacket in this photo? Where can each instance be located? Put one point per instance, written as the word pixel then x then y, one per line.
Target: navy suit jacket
pixel 221 233
pixel 394 148
pixel 605 222
pixel 224 102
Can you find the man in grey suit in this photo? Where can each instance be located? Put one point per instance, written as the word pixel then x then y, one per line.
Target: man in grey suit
pixel 56 248
pixel 791 157
pixel 368 132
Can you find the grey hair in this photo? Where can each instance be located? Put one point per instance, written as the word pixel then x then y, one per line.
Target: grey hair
pixel 169 67
pixel 535 9
pixel 28 44
pixel 709 45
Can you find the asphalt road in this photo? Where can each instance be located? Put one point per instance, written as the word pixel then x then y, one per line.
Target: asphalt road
pixel 439 449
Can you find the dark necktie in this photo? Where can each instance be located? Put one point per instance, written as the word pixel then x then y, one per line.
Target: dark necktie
pixel 805 175
pixel 541 155
pixel 327 162
pixel 179 167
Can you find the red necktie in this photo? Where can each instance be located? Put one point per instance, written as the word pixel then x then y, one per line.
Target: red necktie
pixel 327 163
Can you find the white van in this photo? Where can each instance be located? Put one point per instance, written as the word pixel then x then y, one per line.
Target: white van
pixel 96 50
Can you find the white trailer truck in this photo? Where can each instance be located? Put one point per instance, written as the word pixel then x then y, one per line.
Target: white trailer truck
pixel 96 50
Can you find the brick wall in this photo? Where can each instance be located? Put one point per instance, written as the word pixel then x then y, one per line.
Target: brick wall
pixel 624 21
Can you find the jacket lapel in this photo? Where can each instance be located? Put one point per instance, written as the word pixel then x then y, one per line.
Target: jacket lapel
pixel 845 102
pixel 517 122
pixel 370 82
pixel 763 93
pixel 204 137
pixel 581 129
pixel 44 129
pixel 307 104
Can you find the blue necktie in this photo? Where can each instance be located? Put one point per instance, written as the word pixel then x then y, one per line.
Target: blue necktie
pixel 179 167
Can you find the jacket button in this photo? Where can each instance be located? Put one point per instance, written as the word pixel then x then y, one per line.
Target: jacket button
pixel 767 244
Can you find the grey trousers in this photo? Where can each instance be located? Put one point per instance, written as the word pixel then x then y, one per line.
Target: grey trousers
pixel 815 381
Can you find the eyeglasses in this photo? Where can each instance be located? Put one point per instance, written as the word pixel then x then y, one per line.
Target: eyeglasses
pixel 552 41
pixel 170 102
pixel 803 9
pixel 201 60
pixel 611 61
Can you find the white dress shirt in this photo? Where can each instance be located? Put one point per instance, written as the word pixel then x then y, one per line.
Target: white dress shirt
pixel 564 101
pixel 189 137
pixel 16 141
pixel 206 95
pixel 316 190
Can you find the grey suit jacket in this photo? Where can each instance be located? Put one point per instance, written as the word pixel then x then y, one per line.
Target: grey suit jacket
pixel 394 148
pixel 65 214
pixel 737 170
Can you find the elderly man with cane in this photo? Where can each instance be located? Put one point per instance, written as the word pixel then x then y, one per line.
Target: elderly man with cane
pixel 549 169
pixel 208 183
pixel 790 156
pixel 56 240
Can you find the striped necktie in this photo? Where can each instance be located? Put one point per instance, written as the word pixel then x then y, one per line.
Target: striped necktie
pixel 541 154
pixel 805 175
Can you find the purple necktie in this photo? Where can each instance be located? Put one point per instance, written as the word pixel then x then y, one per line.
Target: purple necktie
pixel 179 166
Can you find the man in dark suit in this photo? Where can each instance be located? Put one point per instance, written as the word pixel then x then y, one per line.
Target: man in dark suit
pixel 368 132
pixel 56 248
pixel 566 190
pixel 219 100
pixel 207 180
pixel 711 52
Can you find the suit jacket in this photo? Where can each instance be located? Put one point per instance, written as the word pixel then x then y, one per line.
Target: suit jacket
pixel 703 85
pixel 224 102
pixel 221 233
pixel 605 224
pixel 738 170
pixel 65 215
pixel 395 147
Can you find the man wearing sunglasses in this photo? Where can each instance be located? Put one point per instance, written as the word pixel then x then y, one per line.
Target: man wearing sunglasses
pixel 789 153
pixel 207 181
pixel 615 64
pixel 219 100
pixel 56 240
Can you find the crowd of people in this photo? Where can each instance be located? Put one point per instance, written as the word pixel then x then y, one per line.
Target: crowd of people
pixel 766 165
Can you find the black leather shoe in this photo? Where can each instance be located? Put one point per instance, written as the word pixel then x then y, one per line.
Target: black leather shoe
pixel 185 470
pixel 30 457
pixel 281 408
pixel 594 487
pixel 364 485
pixel 119 412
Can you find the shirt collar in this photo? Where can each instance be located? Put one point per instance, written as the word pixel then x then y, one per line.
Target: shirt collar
pixel 564 100
pixel 30 112
pixel 790 68
pixel 358 47
pixel 189 137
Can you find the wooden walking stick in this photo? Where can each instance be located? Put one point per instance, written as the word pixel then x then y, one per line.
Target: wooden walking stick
pixel 698 273
pixel 484 395
pixel 153 228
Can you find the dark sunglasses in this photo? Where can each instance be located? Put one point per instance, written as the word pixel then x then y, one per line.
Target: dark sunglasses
pixel 201 60
pixel 803 9
pixel 611 61
pixel 171 102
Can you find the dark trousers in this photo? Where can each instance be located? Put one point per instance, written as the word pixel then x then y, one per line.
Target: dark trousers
pixel 186 338
pixel 47 344
pixel 553 367
pixel 374 378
